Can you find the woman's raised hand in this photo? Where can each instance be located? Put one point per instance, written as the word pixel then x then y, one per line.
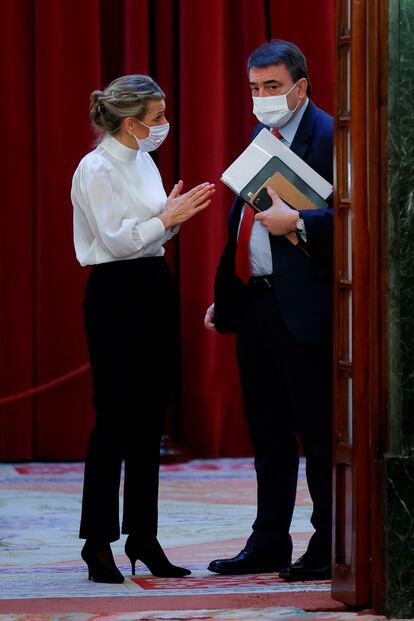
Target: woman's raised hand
pixel 181 207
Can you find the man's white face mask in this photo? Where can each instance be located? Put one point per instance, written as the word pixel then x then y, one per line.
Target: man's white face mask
pixel 274 111
pixel 157 135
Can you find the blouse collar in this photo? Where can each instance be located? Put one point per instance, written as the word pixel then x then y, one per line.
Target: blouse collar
pixel 118 150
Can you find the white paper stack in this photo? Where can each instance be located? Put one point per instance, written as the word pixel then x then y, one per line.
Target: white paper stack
pixel 256 156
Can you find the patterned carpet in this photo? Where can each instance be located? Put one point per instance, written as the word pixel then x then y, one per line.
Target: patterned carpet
pixel 206 508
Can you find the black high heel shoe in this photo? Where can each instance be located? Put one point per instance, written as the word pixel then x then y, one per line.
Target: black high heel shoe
pixel 152 555
pixel 101 565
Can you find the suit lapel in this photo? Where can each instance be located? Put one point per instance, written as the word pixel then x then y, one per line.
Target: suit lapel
pixel 234 217
pixel 304 132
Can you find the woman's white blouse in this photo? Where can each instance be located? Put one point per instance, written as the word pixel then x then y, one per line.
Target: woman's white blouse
pixel 117 194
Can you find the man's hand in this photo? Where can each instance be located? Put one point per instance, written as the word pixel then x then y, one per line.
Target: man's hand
pixel 279 219
pixel 209 318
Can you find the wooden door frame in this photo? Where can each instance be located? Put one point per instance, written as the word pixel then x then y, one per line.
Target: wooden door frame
pixel 358 558
pixel 377 84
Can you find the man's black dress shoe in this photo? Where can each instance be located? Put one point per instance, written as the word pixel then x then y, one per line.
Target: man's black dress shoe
pixel 250 561
pixel 307 567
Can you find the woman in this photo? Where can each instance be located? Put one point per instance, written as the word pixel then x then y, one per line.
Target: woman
pixel 122 218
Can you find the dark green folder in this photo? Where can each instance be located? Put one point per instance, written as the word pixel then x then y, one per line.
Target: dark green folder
pixel 274 165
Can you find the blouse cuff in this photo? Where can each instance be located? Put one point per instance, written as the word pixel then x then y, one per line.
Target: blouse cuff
pixel 145 233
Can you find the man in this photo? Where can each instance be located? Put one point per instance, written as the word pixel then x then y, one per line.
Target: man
pixel 281 312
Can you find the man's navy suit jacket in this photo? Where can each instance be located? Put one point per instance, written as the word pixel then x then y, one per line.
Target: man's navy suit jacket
pixel 302 284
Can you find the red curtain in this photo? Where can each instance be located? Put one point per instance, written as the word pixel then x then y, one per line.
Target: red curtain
pixel 215 125
pixel 17 244
pixel 53 54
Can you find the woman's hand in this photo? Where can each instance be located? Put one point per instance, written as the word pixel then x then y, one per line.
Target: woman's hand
pixel 209 318
pixel 180 208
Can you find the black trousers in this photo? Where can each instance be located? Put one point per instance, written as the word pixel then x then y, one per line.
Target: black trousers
pixel 287 390
pixel 130 314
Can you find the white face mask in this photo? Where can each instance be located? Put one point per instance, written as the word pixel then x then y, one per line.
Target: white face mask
pixel 157 135
pixel 273 111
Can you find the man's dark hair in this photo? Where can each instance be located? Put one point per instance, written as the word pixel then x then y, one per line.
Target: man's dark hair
pixel 278 52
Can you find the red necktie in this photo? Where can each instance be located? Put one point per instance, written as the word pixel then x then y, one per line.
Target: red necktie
pixel 243 244
pixel 277 133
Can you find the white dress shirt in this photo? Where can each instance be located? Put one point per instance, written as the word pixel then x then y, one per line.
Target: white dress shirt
pixel 260 251
pixel 117 193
